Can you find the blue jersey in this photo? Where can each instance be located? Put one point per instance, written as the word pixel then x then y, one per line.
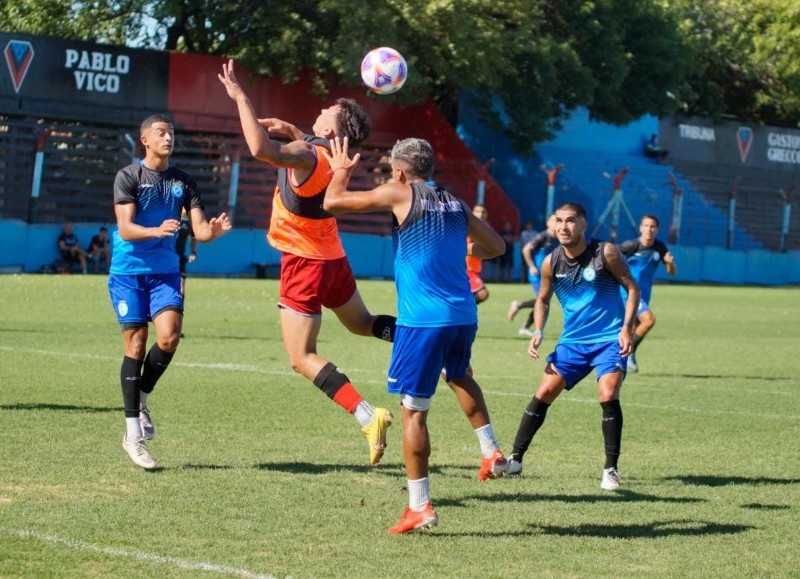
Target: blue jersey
pixel 643 262
pixel 158 195
pixel 589 296
pixel 541 246
pixel 430 247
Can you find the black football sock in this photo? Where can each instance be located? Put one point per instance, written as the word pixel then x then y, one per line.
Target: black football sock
pixel 155 363
pixel 130 377
pixel 612 431
pixel 529 321
pixel 636 340
pixel 532 419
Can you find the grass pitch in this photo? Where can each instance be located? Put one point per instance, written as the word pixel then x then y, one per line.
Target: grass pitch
pixel 263 476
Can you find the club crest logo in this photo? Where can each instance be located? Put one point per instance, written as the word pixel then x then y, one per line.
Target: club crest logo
pixel 589 274
pixel 19 54
pixel 122 308
pixel 177 190
pixel 744 136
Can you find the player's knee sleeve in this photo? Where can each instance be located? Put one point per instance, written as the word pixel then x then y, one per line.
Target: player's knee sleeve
pixel 330 380
pixel 416 403
pixel 383 327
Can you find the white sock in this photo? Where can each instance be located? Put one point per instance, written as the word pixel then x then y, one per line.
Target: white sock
pixel 363 413
pixel 419 494
pixel 143 399
pixel 134 429
pixel 486 438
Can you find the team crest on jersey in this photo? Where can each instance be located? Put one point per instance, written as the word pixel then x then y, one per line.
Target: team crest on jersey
pixel 177 190
pixel 19 54
pixel 122 308
pixel 589 274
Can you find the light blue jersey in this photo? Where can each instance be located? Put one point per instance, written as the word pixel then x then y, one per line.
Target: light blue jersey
pixel 589 295
pixel 158 195
pixel 643 262
pixel 430 248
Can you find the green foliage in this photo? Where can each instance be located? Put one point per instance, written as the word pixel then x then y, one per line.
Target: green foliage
pixel 747 59
pixel 524 64
pixel 98 21
pixel 263 476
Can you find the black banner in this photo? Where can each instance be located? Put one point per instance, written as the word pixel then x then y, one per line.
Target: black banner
pixel 56 74
pixel 730 143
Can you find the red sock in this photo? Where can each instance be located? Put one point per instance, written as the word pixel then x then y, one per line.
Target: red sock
pixel 348 397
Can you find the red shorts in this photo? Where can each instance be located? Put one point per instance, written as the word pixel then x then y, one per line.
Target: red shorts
pixel 309 284
pixel 475 281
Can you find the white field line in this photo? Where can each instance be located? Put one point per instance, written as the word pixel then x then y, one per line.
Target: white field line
pixel 566 398
pixel 137 555
pixel 527 395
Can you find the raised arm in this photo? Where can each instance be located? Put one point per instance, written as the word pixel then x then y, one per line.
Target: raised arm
pixel 391 196
pixel 297 154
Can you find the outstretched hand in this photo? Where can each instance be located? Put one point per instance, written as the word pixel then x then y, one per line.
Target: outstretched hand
pixel 339 158
pixel 229 81
pixel 220 225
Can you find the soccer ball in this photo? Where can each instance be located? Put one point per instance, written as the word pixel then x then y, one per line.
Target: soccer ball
pixel 384 70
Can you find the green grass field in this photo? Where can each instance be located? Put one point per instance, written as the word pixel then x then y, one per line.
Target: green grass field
pixel 263 476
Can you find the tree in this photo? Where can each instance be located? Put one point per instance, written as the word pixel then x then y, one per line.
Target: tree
pixel 523 64
pixel 747 59
pixel 109 22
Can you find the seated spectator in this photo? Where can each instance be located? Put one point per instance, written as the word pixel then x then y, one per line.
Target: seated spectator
pixel 653 149
pixel 100 250
pixel 70 248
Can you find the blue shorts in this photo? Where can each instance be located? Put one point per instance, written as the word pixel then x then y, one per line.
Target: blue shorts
pixel 535 281
pixel 575 361
pixel 137 299
pixel 644 306
pixel 420 354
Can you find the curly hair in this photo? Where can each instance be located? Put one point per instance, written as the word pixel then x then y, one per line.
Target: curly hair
pixel 352 121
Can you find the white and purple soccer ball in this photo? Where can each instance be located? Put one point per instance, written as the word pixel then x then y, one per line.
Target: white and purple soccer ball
pixel 384 70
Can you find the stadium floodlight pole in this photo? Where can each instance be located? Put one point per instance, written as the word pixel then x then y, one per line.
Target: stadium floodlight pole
pixel 132 143
pixel 233 190
pixel 38 166
pixel 481 193
pixel 677 210
pixel 552 173
pixel 787 216
pixel 732 213
pixel 617 201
